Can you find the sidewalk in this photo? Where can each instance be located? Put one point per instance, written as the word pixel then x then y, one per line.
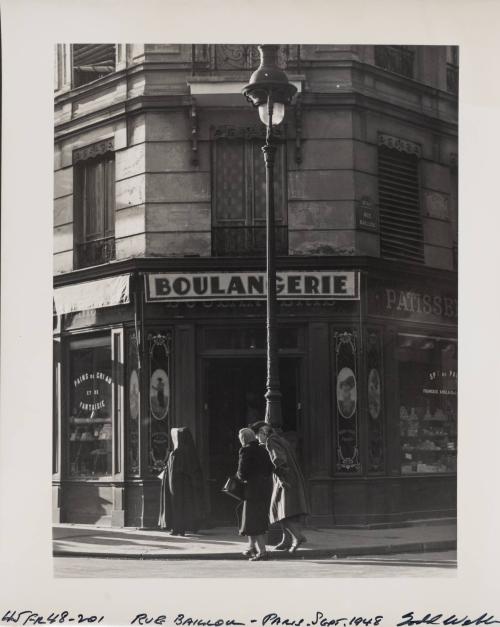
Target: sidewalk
pixel 224 543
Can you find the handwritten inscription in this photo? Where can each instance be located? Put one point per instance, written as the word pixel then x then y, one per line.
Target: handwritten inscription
pixel 318 619
pixel 28 617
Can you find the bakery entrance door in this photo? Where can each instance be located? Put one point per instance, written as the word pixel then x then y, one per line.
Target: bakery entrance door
pixel 234 397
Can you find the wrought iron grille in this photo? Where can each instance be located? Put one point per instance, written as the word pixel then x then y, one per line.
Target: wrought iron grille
pixel 452 78
pixel 95 252
pixel 246 241
pixel 397 59
pixel 237 57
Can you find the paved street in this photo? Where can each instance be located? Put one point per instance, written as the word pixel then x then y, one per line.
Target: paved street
pixel 439 564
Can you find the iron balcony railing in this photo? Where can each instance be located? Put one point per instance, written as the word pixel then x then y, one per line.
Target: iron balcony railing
pixel 215 58
pixel 397 59
pixel 95 252
pixel 246 241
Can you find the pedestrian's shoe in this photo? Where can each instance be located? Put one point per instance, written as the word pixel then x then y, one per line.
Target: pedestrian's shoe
pixel 249 553
pixel 296 545
pixel 282 546
pixel 260 557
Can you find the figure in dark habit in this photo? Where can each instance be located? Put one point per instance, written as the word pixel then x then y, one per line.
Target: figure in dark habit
pixel 182 495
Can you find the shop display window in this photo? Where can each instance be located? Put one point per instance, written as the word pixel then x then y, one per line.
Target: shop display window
pixel 427 404
pixel 89 426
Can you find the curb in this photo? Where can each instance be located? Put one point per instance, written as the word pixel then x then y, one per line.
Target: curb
pixel 305 554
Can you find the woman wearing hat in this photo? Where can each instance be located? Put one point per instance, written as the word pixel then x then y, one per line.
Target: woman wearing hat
pixel 255 469
pixel 288 501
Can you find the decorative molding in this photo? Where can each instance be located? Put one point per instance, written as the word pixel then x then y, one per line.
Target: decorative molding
pixel 193 114
pixel 403 145
pixel 345 338
pixel 298 130
pixel 244 132
pixel 347 445
pixel 93 150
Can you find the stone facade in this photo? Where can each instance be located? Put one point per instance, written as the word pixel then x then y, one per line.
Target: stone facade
pixel 164 199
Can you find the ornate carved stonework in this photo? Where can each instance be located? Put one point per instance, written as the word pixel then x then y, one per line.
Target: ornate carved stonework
pixel 244 132
pixel 403 145
pixel 94 150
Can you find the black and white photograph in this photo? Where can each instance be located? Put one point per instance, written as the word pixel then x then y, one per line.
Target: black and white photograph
pixel 255 323
pixel 248 348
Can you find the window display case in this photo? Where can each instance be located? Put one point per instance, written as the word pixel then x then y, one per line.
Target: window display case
pixel 428 405
pixel 89 426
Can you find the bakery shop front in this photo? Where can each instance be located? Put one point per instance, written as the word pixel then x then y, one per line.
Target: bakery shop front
pixel 368 373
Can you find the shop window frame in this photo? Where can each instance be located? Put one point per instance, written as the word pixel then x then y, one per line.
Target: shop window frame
pixel 380 333
pixel 133 362
pixel 89 339
pixel 421 334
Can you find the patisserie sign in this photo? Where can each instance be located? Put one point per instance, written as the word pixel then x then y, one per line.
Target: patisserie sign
pixel 441 382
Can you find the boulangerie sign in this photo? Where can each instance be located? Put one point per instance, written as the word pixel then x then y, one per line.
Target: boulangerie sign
pixel 292 285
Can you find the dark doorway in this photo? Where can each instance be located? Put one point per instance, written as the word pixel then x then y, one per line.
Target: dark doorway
pixel 234 393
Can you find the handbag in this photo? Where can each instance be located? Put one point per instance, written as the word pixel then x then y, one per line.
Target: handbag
pixel 235 488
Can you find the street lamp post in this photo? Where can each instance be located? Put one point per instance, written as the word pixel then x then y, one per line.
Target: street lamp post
pixel 270 91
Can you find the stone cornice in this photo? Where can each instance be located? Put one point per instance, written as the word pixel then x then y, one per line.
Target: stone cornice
pixel 356 94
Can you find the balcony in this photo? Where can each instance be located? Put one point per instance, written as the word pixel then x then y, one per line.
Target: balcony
pixel 397 59
pixel 95 252
pixel 226 58
pixel 246 241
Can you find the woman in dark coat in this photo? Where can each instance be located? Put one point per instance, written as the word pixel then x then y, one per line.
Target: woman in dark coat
pixel 255 469
pixel 288 502
pixel 181 501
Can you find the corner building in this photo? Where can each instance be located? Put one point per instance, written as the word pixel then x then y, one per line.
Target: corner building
pixel 159 311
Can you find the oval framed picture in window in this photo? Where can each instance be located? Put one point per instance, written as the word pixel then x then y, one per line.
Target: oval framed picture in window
pixel 374 393
pixel 346 393
pixel 159 394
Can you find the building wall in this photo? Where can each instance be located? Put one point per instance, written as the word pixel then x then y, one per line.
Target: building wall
pixel 164 171
pixel 163 201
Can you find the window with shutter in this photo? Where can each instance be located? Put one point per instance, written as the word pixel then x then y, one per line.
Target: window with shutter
pixel 94 210
pixel 401 233
pixel 397 59
pixel 92 61
pixel 239 195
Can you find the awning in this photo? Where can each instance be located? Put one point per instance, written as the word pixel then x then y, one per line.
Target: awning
pixel 106 292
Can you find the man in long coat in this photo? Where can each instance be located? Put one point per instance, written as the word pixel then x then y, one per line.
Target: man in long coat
pixel 288 501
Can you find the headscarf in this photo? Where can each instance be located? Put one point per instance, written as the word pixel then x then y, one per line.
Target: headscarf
pixel 247 435
pixel 184 456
